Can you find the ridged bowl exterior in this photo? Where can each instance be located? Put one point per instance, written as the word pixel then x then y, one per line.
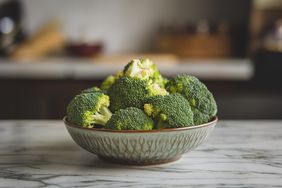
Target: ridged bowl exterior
pixel 140 147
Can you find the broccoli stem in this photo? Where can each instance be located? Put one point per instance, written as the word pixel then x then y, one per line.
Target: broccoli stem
pixel 162 121
pixel 161 124
pixel 102 116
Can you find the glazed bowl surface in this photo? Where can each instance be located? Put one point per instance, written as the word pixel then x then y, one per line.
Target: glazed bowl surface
pixel 140 147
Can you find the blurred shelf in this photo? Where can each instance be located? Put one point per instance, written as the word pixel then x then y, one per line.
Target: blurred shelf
pixel 227 69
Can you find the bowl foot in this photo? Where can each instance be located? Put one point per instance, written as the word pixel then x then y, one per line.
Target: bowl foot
pixel 139 163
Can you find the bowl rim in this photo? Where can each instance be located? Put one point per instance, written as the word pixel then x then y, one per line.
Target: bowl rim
pixel 213 122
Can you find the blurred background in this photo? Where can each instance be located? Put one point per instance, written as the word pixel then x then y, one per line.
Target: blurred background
pixel 50 50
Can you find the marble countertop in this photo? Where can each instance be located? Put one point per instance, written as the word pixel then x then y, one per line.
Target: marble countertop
pixel 227 69
pixel 237 154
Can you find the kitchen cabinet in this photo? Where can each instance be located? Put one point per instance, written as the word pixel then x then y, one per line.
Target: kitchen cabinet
pixel 47 99
pixel 42 89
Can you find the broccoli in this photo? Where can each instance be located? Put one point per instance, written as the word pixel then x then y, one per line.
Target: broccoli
pixel 110 80
pixel 88 109
pixel 199 97
pixel 130 119
pixel 156 89
pixel 91 90
pixel 169 111
pixel 144 69
pixel 130 92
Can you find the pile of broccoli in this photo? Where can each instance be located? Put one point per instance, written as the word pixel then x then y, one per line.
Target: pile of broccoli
pixel 140 98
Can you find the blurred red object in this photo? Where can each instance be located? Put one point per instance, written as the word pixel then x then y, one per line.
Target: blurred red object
pixel 84 49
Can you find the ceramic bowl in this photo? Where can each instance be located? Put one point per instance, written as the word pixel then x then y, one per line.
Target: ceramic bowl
pixel 140 147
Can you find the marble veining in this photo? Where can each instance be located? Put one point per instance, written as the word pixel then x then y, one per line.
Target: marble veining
pixel 236 154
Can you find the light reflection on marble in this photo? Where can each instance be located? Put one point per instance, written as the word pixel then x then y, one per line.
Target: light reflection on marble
pixel 237 154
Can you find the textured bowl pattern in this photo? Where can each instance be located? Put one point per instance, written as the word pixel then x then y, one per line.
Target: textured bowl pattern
pixel 140 147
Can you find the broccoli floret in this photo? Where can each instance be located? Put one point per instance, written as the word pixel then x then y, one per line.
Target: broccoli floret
pixel 144 69
pixel 91 90
pixel 110 80
pixel 169 111
pixel 88 109
pixel 199 97
pixel 156 89
pixel 130 119
pixel 130 92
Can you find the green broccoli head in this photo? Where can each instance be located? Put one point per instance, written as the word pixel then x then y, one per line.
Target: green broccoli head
pixel 88 109
pixel 130 92
pixel 91 90
pixel 130 119
pixel 169 111
pixel 144 69
pixel 110 80
pixel 156 89
pixel 197 94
